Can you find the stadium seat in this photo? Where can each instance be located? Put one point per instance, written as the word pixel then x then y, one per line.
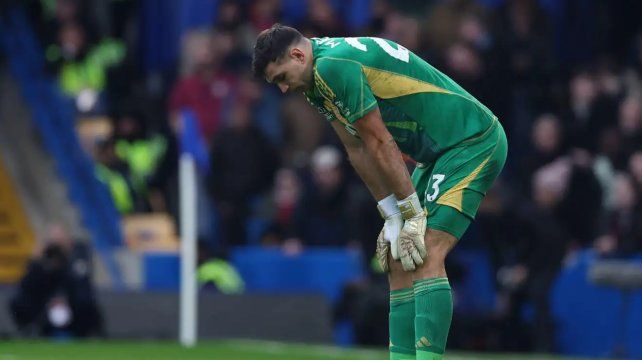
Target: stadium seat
pixel 587 315
pixel 319 270
pixel 161 271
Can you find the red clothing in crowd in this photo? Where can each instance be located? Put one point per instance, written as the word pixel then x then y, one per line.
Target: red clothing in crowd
pixel 205 98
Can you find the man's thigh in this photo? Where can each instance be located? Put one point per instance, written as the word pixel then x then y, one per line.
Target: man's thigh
pixel 452 188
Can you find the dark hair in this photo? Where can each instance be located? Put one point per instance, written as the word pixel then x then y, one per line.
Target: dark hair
pixel 271 44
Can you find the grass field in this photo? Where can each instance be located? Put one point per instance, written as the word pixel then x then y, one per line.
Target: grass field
pixel 228 350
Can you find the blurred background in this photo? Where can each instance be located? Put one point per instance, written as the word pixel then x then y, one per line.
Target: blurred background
pixel 98 98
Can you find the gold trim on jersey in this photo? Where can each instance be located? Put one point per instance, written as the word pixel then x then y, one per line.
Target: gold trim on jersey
pixel 329 96
pixel 455 195
pixel 324 89
pixel 335 111
pixel 388 85
pixel 405 125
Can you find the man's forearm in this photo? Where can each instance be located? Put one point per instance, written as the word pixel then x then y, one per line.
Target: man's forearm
pixel 362 163
pixel 387 160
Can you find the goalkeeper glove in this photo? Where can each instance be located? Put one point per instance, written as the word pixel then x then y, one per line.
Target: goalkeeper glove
pixel 411 246
pixel 387 239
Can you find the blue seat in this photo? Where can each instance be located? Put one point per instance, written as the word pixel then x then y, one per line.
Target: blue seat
pixel 161 271
pixel 320 270
pixel 475 293
pixel 587 315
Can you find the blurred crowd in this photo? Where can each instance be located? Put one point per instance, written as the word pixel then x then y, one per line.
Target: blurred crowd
pixel 564 78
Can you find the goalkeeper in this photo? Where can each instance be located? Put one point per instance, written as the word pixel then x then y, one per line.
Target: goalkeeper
pixel 382 100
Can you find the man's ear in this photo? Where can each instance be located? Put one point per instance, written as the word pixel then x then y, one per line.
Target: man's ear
pixel 297 54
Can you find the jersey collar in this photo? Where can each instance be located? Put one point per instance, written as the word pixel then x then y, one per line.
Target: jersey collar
pixel 315 54
pixel 315 48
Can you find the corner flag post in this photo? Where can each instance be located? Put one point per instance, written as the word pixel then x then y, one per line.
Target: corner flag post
pixel 188 210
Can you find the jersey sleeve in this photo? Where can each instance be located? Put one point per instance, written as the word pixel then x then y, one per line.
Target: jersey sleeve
pixel 344 87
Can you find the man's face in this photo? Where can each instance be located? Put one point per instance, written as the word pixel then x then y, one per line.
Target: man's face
pixel 290 72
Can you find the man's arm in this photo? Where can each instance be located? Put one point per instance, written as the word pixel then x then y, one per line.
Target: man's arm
pixel 387 160
pixel 384 153
pixel 386 201
pixel 361 161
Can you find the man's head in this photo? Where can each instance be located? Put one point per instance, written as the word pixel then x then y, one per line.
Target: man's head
pixel 283 57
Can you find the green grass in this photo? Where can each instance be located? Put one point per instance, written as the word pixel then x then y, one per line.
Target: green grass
pixel 228 350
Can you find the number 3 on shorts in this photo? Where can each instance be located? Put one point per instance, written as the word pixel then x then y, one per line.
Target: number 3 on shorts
pixel 436 180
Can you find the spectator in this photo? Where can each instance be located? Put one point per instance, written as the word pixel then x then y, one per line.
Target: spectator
pixel 321 216
pixel 51 15
pixel 635 168
pixel 321 20
pixel 285 196
pixel 216 273
pixel 243 162
pixel 520 62
pixel 541 245
pixel 621 226
pixel 263 14
pixel 205 84
pixel 443 22
pixel 403 30
pixel 82 67
pixel 379 12
pixel 230 20
pixel 56 296
pixel 590 111
pixel 608 160
pixel 630 121
pixel 546 140
pixel 581 225
pixel 116 175
pixel 304 130
pixel 143 153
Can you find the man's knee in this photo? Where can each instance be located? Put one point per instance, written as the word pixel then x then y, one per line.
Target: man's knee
pixel 438 245
pixel 398 278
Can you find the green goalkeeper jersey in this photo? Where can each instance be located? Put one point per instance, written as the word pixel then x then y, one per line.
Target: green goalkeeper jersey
pixel 425 111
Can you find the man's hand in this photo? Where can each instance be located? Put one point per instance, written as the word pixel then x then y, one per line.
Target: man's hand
pixel 388 241
pixel 389 234
pixel 411 246
pixel 382 253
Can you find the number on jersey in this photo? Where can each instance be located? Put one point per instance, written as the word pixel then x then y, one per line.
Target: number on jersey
pixel 400 53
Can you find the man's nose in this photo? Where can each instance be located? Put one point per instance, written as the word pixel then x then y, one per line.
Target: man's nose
pixel 284 88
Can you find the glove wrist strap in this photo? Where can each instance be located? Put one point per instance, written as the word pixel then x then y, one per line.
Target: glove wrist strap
pixel 410 206
pixel 388 206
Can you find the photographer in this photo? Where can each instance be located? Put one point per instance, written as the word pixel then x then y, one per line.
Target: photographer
pixel 56 297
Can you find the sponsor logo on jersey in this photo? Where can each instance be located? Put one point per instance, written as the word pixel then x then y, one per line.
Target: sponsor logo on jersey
pixel 344 110
pixel 322 110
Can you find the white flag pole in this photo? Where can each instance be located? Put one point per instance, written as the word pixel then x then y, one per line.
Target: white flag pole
pixel 188 216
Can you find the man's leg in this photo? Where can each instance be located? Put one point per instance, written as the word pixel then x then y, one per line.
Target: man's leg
pixel 433 298
pixel 402 297
pixel 458 181
pixel 401 321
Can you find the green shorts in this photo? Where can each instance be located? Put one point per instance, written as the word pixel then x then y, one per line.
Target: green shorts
pixel 452 187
